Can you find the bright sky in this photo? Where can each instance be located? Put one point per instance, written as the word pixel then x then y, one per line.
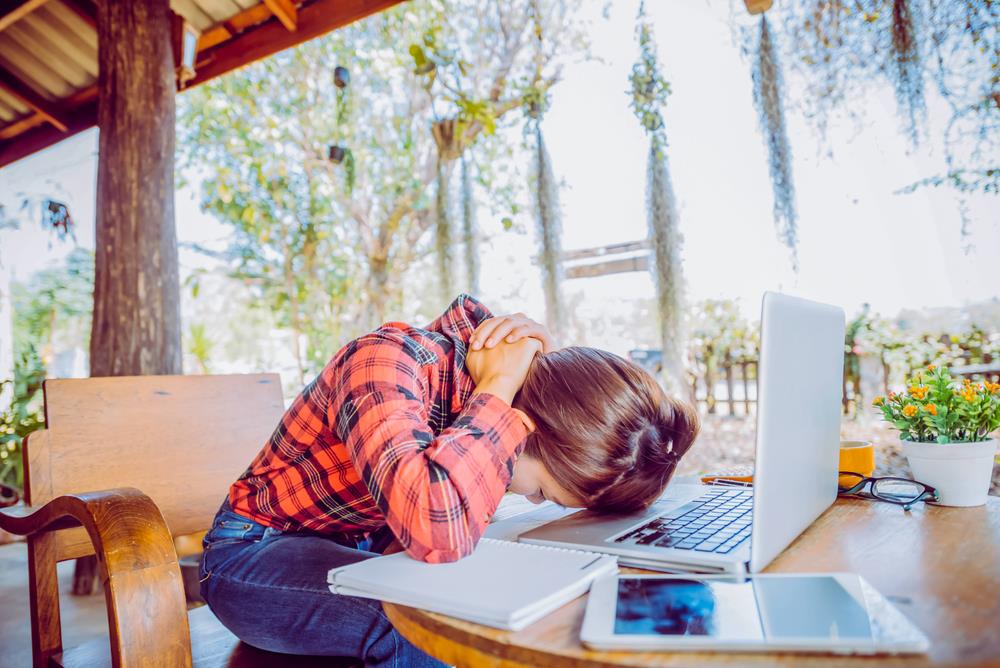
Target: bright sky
pixel 858 241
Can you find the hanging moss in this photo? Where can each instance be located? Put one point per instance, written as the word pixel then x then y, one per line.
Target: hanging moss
pixel 649 91
pixel 470 240
pixel 908 74
pixel 666 240
pixel 767 85
pixel 549 232
pixel 546 190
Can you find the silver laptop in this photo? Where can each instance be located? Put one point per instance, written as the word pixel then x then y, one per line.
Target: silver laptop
pixel 699 528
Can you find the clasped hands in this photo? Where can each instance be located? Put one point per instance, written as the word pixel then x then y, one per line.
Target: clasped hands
pixel 501 351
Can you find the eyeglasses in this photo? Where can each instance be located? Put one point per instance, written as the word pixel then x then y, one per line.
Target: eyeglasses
pixel 900 491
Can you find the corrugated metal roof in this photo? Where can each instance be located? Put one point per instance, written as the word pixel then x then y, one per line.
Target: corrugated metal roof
pixel 49 63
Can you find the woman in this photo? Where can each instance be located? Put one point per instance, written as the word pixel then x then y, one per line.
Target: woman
pixel 412 436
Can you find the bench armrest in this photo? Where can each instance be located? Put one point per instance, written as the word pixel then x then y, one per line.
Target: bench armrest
pixel 147 613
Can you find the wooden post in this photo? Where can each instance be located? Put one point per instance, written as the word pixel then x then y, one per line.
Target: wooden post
pixel 136 328
pixel 844 400
pixel 746 387
pixel 43 598
pixel 709 380
pixel 729 385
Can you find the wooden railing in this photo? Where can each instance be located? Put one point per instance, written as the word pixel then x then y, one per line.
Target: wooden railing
pixel 732 385
pixel 733 374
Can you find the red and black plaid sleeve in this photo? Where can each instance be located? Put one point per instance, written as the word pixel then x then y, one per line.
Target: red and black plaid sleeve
pixel 437 492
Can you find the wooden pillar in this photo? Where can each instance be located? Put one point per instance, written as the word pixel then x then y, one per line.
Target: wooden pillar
pixel 136 327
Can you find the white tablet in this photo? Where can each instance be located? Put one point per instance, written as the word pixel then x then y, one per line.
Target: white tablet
pixel 829 612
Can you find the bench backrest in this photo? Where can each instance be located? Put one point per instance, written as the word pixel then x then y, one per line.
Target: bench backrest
pixel 182 440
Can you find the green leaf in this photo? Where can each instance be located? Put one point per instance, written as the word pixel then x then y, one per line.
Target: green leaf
pixel 419 57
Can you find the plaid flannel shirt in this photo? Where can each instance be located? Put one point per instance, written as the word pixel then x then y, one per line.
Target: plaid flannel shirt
pixel 390 433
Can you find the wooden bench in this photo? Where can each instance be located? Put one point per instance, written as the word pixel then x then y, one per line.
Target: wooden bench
pixel 123 467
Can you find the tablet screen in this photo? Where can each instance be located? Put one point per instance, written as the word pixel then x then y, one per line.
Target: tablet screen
pixel 764 608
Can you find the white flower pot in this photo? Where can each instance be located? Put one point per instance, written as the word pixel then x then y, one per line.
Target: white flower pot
pixel 960 472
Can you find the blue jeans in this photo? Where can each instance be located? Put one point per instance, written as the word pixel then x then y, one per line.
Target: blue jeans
pixel 269 588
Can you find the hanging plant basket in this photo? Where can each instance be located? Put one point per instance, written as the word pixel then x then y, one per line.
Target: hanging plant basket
pixel 336 154
pixel 758 6
pixel 341 77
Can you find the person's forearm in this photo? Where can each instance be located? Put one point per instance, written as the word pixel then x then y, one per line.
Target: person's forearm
pixel 499 386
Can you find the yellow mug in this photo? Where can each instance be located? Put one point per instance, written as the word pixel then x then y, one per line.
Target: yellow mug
pixel 856 457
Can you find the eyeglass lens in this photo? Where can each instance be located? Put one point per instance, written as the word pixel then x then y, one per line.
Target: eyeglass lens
pixel 903 491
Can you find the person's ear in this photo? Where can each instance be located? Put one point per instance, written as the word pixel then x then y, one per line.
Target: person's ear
pixel 529 424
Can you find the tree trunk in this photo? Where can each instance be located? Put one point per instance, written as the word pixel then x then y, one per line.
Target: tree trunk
pixel 378 291
pixel 442 235
pixel 296 324
pixel 136 327
pixel 470 239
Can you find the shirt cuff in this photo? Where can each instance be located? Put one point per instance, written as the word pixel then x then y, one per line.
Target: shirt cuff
pixel 501 423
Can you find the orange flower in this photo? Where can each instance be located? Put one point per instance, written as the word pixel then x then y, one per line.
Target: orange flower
pixel 878 401
pixel 931 408
pixel 931 367
pixel 919 391
pixel 993 387
pixel 969 394
pixel 910 410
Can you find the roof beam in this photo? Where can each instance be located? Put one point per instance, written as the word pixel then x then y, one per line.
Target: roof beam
pixel 86 10
pixel 622 266
pixel 285 11
pixel 45 135
pixel 314 20
pixel 28 97
pixel 21 125
pixel 232 26
pixel 602 251
pixel 14 10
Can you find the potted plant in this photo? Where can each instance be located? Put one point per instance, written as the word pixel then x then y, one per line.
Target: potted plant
pixel 945 426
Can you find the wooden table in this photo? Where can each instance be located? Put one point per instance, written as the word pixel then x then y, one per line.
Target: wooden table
pixel 940 566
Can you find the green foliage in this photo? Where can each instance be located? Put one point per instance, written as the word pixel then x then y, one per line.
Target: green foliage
pixel 54 300
pixel 649 89
pixel 717 332
pixel 200 345
pixel 905 350
pixel 53 303
pixel 936 407
pixel 326 246
pixel 23 416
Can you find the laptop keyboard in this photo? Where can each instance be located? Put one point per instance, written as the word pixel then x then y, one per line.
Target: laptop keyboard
pixel 717 521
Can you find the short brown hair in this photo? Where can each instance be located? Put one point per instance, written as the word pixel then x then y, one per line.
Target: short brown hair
pixel 605 429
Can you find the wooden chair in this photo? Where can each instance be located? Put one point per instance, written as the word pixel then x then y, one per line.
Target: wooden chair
pixel 162 451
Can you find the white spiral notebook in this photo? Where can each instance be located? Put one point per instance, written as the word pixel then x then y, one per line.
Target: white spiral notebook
pixel 501 584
